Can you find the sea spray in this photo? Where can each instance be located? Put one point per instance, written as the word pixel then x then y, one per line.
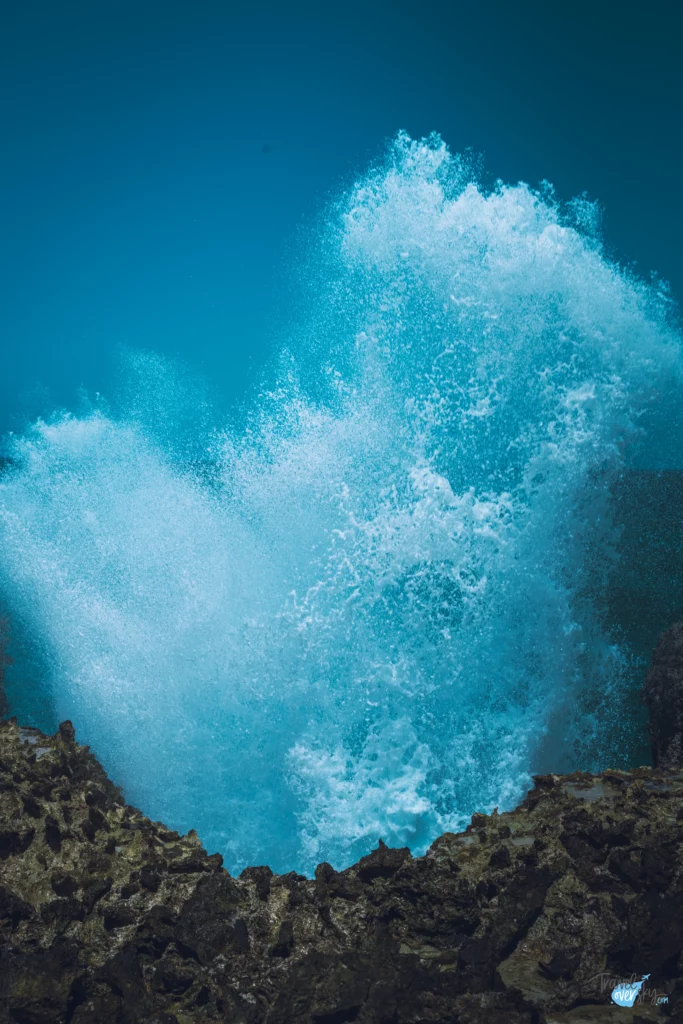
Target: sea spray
pixel 381 606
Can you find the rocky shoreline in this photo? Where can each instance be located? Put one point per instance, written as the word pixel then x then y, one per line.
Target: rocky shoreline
pixel 528 917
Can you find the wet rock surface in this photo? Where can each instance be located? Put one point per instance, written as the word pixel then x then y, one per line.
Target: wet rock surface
pixel 527 917
pixel 5 662
pixel 663 694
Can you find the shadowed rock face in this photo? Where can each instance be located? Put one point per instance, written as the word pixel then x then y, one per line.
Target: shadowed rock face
pixel 663 694
pixel 645 589
pixel 4 662
pixel 527 917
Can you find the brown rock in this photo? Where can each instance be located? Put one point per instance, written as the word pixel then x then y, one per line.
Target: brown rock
pixel 518 920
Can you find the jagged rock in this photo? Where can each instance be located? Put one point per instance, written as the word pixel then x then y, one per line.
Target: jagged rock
pixel 528 917
pixel 663 693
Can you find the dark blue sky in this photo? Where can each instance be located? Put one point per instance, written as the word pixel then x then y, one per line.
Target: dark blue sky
pixel 160 158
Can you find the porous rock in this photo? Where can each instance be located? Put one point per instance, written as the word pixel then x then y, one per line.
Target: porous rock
pixel 527 917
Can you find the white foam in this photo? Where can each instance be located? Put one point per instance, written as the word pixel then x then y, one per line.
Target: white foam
pixel 374 615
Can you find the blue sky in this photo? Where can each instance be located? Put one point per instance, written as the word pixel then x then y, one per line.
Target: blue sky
pixel 160 160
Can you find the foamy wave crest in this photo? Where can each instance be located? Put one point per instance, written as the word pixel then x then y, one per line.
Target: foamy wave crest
pixel 377 609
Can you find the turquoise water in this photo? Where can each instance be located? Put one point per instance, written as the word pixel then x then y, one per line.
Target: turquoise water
pixel 389 598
